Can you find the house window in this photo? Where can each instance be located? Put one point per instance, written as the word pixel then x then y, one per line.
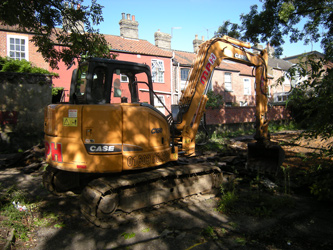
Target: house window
pixel 243 103
pixel 17 47
pixel 157 68
pixel 184 74
pixel 227 82
pixel 183 77
pixel 158 104
pixel 123 78
pixel 247 86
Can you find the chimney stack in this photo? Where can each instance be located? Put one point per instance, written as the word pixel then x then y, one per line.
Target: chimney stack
pixel 68 25
pixel 128 27
pixel 197 42
pixel 270 51
pixel 162 40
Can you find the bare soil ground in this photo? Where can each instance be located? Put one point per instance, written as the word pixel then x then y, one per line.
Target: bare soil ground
pixel 263 212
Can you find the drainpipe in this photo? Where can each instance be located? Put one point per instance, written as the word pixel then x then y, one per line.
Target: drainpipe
pixel 171 75
pixel 178 82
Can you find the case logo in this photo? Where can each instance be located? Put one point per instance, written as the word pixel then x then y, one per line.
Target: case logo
pixel 102 148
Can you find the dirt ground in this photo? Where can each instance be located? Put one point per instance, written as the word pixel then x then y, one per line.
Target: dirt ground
pixel 293 220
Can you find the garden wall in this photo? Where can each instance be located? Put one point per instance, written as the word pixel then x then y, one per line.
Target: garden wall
pixel 234 115
pixel 23 98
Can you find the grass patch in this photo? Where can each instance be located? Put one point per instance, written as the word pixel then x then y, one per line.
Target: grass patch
pixel 250 197
pixel 23 221
pixel 128 236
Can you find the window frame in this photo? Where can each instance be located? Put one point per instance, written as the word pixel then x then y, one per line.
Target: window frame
pixel 125 78
pixel 157 72
pixel 247 89
pixel 26 44
pixel 158 106
pixel 225 82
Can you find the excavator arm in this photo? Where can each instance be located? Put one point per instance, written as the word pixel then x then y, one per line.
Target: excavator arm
pixel 193 100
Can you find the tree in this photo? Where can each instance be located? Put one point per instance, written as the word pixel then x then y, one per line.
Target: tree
pixel 281 18
pixel 55 23
pixel 307 21
pixel 229 29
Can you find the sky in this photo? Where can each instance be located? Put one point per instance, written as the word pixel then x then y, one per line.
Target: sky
pixel 183 19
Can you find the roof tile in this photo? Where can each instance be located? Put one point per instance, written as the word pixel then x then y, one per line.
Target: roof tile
pixel 137 46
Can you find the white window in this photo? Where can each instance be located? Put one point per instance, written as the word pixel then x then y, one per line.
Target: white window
pixel 247 86
pixel 17 47
pixel 157 69
pixel 123 78
pixel 281 97
pixel 243 103
pixel 184 74
pixel 158 103
pixel 227 82
pixel 183 77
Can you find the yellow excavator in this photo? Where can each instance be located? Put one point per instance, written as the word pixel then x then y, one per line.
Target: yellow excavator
pixel 117 150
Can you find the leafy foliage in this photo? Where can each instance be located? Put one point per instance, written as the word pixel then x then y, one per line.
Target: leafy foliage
pixel 23 66
pixel 56 90
pixel 43 18
pixel 311 102
pixel 215 100
pixel 281 18
pixel 229 29
pixel 309 21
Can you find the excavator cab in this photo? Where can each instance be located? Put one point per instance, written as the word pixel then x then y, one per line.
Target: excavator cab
pixel 103 81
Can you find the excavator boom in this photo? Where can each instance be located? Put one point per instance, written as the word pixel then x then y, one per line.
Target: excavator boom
pixel 193 100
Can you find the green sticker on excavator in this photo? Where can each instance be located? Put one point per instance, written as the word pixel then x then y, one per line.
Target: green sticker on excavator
pixel 69 122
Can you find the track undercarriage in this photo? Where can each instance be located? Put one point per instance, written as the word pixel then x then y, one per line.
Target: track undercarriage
pixel 103 198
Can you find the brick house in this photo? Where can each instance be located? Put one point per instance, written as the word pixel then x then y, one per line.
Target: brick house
pixel 169 68
pixel 16 44
pixel 127 46
pixel 233 81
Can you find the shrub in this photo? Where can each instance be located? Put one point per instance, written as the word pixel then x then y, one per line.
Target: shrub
pixel 215 101
pixel 23 66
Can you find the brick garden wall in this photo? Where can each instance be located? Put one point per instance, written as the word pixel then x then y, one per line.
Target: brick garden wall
pixel 246 114
pixel 23 99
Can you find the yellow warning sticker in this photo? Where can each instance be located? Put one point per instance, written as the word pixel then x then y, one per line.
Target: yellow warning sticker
pixel 69 122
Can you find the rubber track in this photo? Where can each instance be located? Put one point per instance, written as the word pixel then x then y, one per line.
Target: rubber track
pixel 105 201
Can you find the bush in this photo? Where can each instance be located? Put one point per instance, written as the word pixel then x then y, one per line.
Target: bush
pixel 23 66
pixel 215 101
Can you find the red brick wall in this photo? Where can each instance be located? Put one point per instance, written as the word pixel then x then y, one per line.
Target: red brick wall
pixel 3 44
pixel 237 93
pixel 242 115
pixel 35 57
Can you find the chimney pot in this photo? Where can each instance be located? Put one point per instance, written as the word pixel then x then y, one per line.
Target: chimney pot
pixel 128 26
pixel 203 38
pixel 196 37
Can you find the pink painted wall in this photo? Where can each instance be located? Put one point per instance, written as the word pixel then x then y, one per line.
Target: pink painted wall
pixel 65 76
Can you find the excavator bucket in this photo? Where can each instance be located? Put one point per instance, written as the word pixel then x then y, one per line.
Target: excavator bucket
pixel 265 158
